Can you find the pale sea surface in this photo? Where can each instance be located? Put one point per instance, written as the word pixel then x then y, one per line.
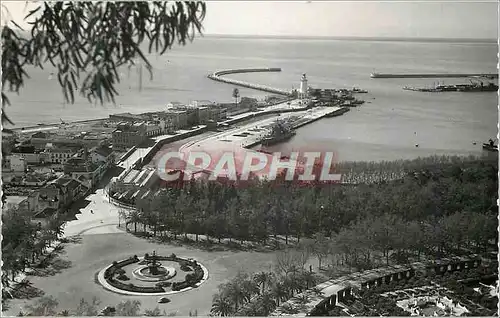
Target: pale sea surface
pixel 386 127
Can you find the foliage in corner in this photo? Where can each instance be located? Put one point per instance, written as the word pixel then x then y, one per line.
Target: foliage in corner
pixel 88 41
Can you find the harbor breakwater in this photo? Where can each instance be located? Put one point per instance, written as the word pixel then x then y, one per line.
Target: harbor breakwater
pixel 387 75
pixel 217 76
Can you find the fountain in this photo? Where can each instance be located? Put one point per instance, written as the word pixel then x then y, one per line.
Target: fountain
pixel 151 277
pixel 153 270
pixel 153 265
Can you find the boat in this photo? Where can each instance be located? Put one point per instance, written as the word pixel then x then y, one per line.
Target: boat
pixel 491 87
pixel 281 131
pixel 473 87
pixel 359 91
pixel 352 103
pixel 490 147
pixel 338 112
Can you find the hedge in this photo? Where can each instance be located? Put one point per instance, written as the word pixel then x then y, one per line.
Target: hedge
pixel 133 288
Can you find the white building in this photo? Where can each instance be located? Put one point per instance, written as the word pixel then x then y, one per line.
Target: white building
pixel 303 87
pixel 56 154
pixel 17 163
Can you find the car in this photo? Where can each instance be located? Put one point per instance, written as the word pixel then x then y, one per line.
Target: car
pixel 163 300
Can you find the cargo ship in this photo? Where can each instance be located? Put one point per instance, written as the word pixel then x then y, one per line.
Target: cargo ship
pixel 473 87
pixel 281 131
pixel 338 112
pixel 491 87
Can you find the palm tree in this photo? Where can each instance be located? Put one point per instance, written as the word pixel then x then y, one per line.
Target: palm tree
pixel 55 226
pixel 236 95
pixel 292 284
pixel 134 217
pixel 279 293
pixel 88 309
pixel 236 294
pixel 128 308
pixel 249 289
pixel 222 306
pixel 44 306
pixel 267 303
pixel 153 313
pixel 262 278
pixel 308 278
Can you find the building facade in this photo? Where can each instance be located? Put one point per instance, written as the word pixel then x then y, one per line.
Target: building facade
pixel 128 135
pixel 58 154
pixel 17 163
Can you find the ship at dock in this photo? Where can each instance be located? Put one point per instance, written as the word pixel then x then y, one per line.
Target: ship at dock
pixel 338 112
pixel 281 131
pixel 465 88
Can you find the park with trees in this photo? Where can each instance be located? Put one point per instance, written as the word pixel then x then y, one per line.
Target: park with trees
pixel 444 208
pixel 447 206
pixel 439 207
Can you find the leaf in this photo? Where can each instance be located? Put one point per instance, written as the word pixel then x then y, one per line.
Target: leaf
pixel 32 12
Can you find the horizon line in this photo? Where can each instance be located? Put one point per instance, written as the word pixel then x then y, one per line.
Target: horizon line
pixel 360 38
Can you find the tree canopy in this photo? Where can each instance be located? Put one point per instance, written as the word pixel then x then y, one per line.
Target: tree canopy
pixel 89 41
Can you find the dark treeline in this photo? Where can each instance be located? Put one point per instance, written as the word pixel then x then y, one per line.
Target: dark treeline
pixel 442 204
pixel 25 242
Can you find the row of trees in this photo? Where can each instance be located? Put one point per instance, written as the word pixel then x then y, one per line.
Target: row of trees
pixel 392 238
pixel 421 201
pixel 47 306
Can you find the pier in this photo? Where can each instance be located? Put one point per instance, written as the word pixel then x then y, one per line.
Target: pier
pixel 381 75
pixel 217 76
pixel 251 134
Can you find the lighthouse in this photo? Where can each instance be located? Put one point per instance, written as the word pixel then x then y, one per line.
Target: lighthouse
pixel 303 87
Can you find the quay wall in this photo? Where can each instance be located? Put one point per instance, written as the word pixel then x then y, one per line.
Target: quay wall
pixel 309 120
pixel 304 121
pixel 152 152
pixel 380 75
pixel 127 154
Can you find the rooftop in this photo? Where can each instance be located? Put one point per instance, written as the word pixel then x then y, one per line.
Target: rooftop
pixel 103 151
pixel 47 212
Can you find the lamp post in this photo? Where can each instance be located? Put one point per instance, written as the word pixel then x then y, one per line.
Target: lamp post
pixel 321 216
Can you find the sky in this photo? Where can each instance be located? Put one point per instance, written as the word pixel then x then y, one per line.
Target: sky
pixel 422 19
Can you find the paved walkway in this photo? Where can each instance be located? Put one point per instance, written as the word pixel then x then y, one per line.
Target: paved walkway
pixel 99 216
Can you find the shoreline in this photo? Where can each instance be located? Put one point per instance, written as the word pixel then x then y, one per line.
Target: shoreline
pixel 55 126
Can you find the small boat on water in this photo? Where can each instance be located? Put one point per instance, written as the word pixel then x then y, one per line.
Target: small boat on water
pixel 358 90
